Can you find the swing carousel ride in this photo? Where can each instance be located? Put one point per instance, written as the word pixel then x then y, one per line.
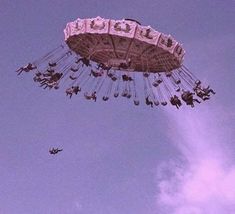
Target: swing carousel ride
pixel 113 58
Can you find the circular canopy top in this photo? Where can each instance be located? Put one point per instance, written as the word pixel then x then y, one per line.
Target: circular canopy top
pixel 114 42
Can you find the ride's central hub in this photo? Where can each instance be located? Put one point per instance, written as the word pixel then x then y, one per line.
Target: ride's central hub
pixel 103 40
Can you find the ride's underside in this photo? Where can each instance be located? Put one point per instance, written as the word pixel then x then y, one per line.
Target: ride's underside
pixel 110 58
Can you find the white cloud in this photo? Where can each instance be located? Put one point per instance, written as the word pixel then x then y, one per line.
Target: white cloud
pixel 204 182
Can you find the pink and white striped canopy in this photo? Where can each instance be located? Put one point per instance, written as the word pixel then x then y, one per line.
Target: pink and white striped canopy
pixel 112 42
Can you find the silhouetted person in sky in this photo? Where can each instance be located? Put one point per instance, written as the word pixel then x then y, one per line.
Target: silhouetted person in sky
pixel 84 61
pixel 148 101
pixel 188 98
pixel 54 151
pixel 175 101
pixel 27 68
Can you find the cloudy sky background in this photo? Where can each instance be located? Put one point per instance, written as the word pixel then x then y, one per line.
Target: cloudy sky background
pixel 117 158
